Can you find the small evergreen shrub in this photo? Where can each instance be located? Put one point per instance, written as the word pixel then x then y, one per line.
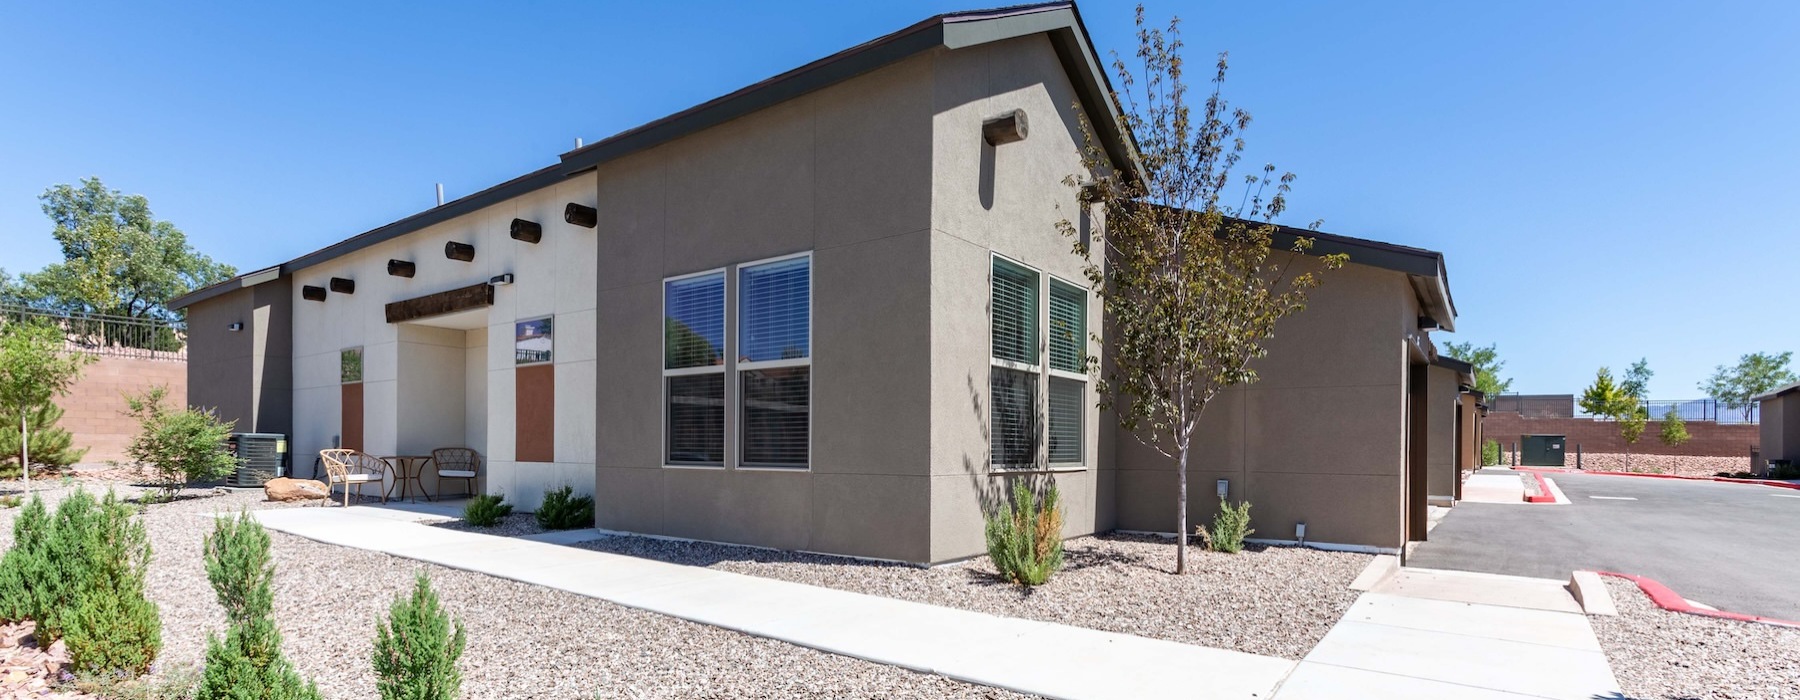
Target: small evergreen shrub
pixel 1024 539
pixel 416 648
pixel 1783 469
pixel 247 664
pixel 1230 526
pixel 51 446
pixel 486 511
pixel 28 580
pixel 12 501
pixel 1490 453
pixel 563 510
pixel 112 628
pixel 182 446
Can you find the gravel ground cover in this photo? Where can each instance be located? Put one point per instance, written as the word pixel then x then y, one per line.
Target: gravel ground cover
pixel 524 641
pixel 1660 654
pixel 515 525
pixel 1660 464
pixel 1276 601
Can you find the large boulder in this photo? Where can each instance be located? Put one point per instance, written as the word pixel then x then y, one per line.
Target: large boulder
pixel 285 489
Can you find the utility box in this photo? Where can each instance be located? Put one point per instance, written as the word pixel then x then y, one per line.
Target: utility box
pixel 261 457
pixel 1541 450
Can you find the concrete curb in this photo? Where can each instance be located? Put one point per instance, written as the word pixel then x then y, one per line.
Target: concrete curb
pixel 1720 479
pixel 1543 495
pixel 1591 593
pixel 1667 599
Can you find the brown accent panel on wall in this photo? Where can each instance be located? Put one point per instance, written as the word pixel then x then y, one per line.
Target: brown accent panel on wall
pixel 353 417
pixel 534 406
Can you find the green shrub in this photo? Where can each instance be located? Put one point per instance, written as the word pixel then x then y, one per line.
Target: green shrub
pixel 51 446
pixel 247 664
pixel 1230 526
pixel 562 510
pixel 416 648
pixel 181 446
pixel 177 683
pixel 1024 539
pixel 1490 453
pixel 111 628
pixel 12 501
pixel 1783 469
pixel 486 511
pixel 29 583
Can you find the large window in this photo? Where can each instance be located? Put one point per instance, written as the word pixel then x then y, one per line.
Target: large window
pixel 1013 376
pixel 774 362
pixel 1068 371
pixel 694 369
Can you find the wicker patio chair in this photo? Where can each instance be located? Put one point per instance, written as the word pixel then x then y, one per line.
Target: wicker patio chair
pixel 353 468
pixel 456 463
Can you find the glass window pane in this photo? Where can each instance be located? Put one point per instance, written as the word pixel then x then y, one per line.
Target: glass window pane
pixel 777 409
pixel 1013 398
pixel 533 341
pixel 1015 313
pixel 773 311
pixel 696 405
pixel 694 322
pixel 350 365
pixel 1067 399
pixel 1068 327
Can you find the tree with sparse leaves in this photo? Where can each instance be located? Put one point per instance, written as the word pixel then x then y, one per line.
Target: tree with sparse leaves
pixel 1609 399
pixel 1754 374
pixel 34 370
pixel 1192 284
pixel 1674 429
pixel 1487 366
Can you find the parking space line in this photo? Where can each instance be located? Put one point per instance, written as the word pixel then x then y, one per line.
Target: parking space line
pixel 1614 498
pixel 1784 495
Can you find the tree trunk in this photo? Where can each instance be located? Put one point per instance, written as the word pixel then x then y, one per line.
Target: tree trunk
pixel 24 453
pixel 1181 520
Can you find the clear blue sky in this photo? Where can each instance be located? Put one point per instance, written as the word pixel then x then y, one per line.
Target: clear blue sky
pixel 1609 180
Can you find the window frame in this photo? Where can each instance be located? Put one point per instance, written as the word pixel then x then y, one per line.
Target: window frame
pixel 1040 457
pixel 544 317
pixel 720 369
pixel 1054 373
pixel 734 288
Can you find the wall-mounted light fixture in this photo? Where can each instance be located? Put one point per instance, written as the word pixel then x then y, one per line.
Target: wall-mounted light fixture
pixel 1427 323
pixel 1300 532
pixel 235 326
pixel 1224 488
pixel 459 251
pixel 311 293
pixel 343 286
pixel 581 215
pixel 527 231
pixel 501 280
pixel 402 268
pixel 1006 128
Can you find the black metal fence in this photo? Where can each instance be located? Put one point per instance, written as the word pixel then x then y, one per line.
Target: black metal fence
pixel 102 334
pixel 1705 409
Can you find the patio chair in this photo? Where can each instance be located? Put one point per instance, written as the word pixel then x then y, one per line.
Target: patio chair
pixel 456 463
pixel 350 467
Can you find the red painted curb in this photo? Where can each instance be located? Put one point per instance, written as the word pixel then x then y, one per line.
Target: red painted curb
pixel 1667 599
pixel 1721 479
pixel 1544 495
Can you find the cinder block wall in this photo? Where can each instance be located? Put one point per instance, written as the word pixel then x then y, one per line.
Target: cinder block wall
pixel 1602 437
pixel 94 410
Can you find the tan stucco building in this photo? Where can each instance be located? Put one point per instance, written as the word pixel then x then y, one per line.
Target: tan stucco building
pixel 817 314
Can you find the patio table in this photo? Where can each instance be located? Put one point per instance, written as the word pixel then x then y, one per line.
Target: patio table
pixel 408 471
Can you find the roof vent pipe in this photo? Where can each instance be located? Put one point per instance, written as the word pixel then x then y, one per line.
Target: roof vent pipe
pixel 440 188
pixel 578 143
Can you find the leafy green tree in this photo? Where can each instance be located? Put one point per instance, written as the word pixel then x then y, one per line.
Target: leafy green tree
pixel 247 664
pixel 118 258
pixel 416 648
pixel 1609 399
pixel 1191 281
pixel 182 447
pixel 34 370
pixel 1636 382
pixel 1674 429
pixel 1754 374
pixel 1487 366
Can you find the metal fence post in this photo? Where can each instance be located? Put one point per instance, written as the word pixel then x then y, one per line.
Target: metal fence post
pixel 1577 455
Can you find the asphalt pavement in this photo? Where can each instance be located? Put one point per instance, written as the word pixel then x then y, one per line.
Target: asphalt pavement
pixel 1730 546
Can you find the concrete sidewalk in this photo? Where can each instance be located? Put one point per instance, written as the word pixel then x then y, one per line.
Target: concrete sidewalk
pixel 1434 634
pixel 1047 659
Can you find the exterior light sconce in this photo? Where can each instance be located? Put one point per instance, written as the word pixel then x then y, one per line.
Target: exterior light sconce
pixel 235 326
pixel 1224 488
pixel 501 279
pixel 402 268
pixel 1006 128
pixel 343 286
pixel 527 231
pixel 311 293
pixel 1300 533
pixel 1427 323
pixel 459 251
pixel 581 215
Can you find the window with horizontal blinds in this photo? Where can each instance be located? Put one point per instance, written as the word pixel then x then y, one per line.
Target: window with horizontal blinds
pixel 1013 403
pixel 696 419
pixel 1066 401
pixel 777 416
pixel 1068 327
pixel 694 322
pixel 774 309
pixel 1015 313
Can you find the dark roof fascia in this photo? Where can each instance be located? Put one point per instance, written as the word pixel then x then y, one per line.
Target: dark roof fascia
pixel 248 279
pixel 954 31
pixel 1451 363
pixel 1789 389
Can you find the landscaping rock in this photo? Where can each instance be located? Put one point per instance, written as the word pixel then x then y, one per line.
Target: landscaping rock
pixel 284 489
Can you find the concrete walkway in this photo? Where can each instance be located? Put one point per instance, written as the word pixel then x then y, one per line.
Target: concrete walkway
pixel 1435 634
pixel 1040 658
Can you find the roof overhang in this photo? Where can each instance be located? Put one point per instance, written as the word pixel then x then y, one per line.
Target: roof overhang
pixel 1424 269
pixel 243 281
pixel 1465 372
pixel 1778 393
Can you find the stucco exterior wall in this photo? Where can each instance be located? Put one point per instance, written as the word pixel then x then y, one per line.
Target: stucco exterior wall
pixel 246 375
pixel 1780 429
pixel 1319 439
pixel 404 409
pixel 845 173
pixel 1443 403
